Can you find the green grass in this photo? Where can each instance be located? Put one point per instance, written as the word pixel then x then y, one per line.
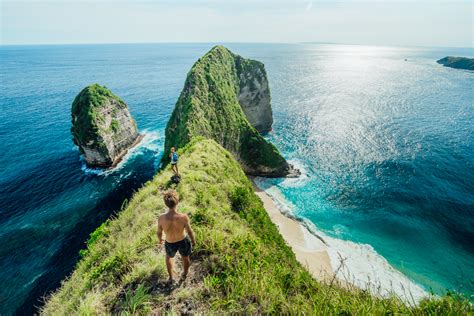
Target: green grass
pixel 115 126
pixel 208 106
pixel 241 263
pixel 136 302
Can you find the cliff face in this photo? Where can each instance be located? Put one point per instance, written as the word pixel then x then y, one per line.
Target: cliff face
pixel 254 93
pixel 102 126
pixel 457 62
pixel 209 106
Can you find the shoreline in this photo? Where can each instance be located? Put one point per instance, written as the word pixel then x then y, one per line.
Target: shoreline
pixel 328 259
pixel 314 257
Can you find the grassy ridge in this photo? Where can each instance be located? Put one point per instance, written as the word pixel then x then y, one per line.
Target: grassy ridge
pixel 241 263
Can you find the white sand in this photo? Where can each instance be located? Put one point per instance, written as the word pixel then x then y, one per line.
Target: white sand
pixel 313 256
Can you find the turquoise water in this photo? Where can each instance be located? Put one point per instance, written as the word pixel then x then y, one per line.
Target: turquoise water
pixel 386 146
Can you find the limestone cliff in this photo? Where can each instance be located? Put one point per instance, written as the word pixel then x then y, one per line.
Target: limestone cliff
pixel 209 106
pixel 102 126
pixel 254 93
pixel 457 62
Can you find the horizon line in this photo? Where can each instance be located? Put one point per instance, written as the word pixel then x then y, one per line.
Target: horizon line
pixel 229 42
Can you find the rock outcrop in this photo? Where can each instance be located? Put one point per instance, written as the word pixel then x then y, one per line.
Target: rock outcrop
pixel 102 126
pixel 457 62
pixel 209 106
pixel 254 93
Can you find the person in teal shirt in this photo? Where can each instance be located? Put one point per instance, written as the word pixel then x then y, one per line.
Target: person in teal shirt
pixel 174 161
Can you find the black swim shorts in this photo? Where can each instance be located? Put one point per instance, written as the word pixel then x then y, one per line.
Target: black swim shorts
pixel 183 246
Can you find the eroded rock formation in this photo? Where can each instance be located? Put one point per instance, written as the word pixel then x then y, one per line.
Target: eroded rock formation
pixel 209 107
pixel 102 126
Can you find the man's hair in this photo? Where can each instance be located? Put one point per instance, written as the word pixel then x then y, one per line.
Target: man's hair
pixel 171 198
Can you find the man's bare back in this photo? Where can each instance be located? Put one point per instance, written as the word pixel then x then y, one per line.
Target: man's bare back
pixel 174 224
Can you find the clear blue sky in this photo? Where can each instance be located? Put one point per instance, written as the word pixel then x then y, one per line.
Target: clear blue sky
pixel 418 23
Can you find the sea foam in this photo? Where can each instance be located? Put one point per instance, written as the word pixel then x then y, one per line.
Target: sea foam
pixel 152 141
pixel 356 263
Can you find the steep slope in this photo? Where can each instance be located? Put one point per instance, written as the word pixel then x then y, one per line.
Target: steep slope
pixel 102 126
pixel 209 106
pixel 241 263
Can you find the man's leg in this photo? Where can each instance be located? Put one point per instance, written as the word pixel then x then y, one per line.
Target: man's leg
pixel 186 264
pixel 169 267
pixel 176 166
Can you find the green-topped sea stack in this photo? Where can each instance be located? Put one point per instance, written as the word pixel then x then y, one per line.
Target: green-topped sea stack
pixel 102 126
pixel 227 98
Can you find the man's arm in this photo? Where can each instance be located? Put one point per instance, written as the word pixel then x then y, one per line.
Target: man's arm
pixel 189 230
pixel 160 232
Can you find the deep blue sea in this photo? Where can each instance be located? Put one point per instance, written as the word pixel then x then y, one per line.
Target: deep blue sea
pixel 384 136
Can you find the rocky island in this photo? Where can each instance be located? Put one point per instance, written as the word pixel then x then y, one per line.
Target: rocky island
pixel 457 62
pixel 226 98
pixel 102 126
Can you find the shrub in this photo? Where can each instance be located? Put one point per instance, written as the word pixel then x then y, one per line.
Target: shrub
pixel 240 199
pixel 115 126
pixel 137 302
pixel 102 230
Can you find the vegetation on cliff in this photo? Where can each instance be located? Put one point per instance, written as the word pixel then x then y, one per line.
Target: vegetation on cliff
pixel 457 62
pixel 208 106
pixel 102 126
pixel 86 112
pixel 241 263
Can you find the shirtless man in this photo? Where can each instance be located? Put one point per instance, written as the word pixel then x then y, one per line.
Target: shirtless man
pixel 174 224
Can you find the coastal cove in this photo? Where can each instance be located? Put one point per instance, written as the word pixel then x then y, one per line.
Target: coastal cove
pixel 355 143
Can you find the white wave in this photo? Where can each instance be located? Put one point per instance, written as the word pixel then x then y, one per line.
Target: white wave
pixel 299 181
pixel 362 265
pixel 89 171
pixel 283 205
pixel 151 141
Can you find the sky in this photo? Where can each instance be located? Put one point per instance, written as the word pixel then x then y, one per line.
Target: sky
pixel 411 23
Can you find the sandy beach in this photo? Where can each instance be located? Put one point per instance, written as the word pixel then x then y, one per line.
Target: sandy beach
pixel 310 252
pixel 362 263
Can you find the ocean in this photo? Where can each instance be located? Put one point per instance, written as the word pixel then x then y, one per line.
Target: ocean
pixel 383 135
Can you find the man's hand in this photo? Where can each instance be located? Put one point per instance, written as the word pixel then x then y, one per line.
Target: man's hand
pixel 189 230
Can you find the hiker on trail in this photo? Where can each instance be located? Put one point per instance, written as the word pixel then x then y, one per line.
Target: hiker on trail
pixel 174 160
pixel 174 224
